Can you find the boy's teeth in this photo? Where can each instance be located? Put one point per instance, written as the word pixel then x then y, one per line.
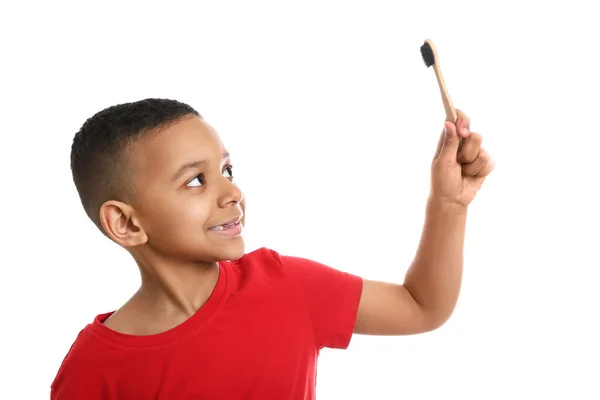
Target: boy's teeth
pixel 221 227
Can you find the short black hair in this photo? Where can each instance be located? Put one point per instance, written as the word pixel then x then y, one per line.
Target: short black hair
pixel 99 161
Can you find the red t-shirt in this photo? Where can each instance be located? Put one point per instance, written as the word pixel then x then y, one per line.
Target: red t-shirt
pixel 257 337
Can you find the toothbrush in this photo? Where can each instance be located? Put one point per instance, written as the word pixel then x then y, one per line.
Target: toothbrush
pixel 430 58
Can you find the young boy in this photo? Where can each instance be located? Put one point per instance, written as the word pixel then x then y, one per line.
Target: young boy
pixel 209 321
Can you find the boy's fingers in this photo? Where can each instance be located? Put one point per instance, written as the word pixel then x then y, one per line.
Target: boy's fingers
pixel 476 167
pixel 463 123
pixel 462 128
pixel 439 145
pixel 470 148
pixel 450 143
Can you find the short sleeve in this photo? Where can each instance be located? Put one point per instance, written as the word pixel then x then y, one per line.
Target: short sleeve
pixel 332 297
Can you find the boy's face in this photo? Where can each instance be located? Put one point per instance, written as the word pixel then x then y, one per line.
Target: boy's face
pixel 184 193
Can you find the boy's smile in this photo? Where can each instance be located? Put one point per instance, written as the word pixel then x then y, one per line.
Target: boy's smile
pixel 233 227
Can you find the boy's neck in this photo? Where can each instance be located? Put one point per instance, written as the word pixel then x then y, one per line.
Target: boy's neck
pixel 170 293
pixel 177 288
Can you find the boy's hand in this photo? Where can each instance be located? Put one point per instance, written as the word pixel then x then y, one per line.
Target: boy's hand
pixel 457 176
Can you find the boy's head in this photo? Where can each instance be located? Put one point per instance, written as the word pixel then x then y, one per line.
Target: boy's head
pixel 156 178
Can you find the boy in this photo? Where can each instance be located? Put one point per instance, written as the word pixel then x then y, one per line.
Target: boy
pixel 208 321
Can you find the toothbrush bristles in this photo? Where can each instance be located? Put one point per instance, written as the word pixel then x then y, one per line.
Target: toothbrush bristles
pixel 427 54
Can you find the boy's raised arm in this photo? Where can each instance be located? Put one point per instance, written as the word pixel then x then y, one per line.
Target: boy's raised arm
pixel 432 283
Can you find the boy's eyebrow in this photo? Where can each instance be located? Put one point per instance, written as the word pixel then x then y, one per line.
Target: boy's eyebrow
pixel 193 165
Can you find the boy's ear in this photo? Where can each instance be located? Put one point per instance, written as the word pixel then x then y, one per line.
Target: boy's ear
pixel 121 225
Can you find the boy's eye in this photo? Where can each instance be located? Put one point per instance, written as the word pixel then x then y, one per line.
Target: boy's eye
pixel 229 170
pixel 198 180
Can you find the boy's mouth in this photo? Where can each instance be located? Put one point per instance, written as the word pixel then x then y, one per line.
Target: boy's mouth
pixel 229 226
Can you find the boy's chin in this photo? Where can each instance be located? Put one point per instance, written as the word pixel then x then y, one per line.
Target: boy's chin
pixel 232 252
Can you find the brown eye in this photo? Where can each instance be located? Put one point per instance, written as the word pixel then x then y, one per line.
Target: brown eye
pixel 229 170
pixel 199 179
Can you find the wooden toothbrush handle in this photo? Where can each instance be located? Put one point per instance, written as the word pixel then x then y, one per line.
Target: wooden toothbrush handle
pixel 448 106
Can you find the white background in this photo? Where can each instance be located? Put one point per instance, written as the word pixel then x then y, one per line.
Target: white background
pixel 332 120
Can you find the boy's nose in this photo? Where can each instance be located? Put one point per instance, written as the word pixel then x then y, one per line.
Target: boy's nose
pixel 230 194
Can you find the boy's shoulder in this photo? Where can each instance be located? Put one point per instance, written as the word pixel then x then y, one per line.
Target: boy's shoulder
pixel 267 263
pixel 261 254
pixel 263 261
pixel 82 361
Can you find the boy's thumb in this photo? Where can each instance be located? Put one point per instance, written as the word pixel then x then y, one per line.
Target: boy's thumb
pixel 451 141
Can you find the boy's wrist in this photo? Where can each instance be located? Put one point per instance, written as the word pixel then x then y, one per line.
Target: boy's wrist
pixel 439 206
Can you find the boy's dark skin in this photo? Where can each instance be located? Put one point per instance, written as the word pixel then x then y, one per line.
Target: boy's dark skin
pixel 166 225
